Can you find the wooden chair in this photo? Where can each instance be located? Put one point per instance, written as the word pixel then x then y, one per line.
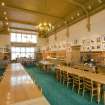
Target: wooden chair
pixel 103 93
pixel 104 97
pixel 61 76
pixel 65 77
pixel 40 66
pixel 89 85
pixel 69 79
pixel 77 82
pixel 58 74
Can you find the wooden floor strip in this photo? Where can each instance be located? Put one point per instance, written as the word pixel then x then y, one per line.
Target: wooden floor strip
pixel 39 101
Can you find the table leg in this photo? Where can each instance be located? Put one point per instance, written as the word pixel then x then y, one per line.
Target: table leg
pixel 44 67
pixel 98 92
pixel 104 97
pixel 48 68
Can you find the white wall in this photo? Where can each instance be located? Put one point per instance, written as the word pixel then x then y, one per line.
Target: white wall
pixel 42 43
pixel 79 30
pixel 4 40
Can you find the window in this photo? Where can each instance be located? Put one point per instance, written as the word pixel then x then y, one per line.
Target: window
pixel 23 51
pixel 17 52
pixel 19 39
pixel 13 37
pixel 23 38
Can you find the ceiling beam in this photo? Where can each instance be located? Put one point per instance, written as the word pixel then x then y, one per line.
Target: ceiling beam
pixel 20 22
pixel 23 29
pixel 33 11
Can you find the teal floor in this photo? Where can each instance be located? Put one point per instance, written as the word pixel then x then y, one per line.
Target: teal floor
pixel 56 93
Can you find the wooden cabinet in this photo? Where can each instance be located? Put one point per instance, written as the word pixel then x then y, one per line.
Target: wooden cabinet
pixel 75 55
pixel 61 54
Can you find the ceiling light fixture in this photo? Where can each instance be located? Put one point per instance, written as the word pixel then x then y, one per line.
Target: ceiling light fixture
pixel 89 7
pixel 78 14
pixel 100 1
pixel 6 23
pixel 5 13
pixel 45 27
pixel 65 22
pixel 72 17
pixel 2 4
pixel 8 29
pixel 6 18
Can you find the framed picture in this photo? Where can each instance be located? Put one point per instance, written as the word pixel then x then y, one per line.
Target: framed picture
pixel 92 47
pixel 83 41
pixel 75 42
pixel 103 46
pixel 86 42
pixel 103 38
pixel 98 46
pixel 98 39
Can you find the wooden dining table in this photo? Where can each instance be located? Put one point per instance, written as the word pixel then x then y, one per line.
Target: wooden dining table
pixel 46 65
pixel 18 87
pixel 99 78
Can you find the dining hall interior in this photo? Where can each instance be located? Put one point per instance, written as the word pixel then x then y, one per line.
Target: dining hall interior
pixel 52 52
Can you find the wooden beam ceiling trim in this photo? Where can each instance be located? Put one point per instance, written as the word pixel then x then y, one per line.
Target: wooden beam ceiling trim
pixel 79 19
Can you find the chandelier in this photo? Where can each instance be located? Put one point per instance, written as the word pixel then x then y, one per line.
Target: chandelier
pixel 45 27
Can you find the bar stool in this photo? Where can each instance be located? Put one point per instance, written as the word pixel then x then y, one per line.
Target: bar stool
pixel 89 85
pixel 77 82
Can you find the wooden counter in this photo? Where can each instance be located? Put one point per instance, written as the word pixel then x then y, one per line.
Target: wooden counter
pixel 17 86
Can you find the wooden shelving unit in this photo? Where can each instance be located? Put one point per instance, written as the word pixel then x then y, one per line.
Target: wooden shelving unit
pixel 4 52
pixel 98 56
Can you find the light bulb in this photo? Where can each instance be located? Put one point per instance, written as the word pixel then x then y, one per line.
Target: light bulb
pixel 78 14
pixel 40 24
pixel 3 4
pixel 72 17
pixel 6 18
pixel 6 23
pixel 5 12
pixel 50 24
pixel 100 1
pixel 45 24
pixel 8 29
pixel 89 7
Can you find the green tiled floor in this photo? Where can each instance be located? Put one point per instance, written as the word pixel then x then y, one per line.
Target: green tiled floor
pixel 56 93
